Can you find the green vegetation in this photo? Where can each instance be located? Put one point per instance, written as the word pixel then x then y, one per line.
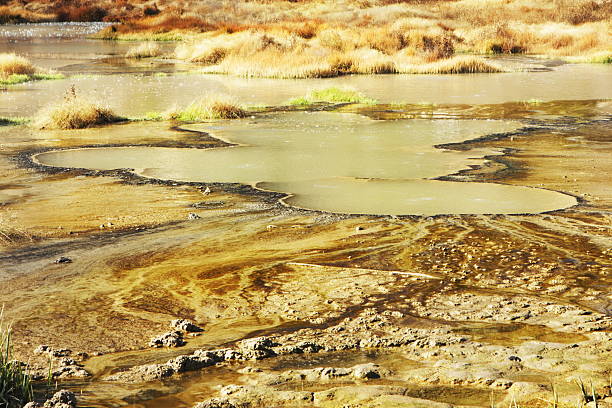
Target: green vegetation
pixel 15 69
pixel 332 95
pixel 13 121
pixel 152 116
pixel 16 79
pixel 15 383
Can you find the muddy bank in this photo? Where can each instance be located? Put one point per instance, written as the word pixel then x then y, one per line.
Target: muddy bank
pixel 336 282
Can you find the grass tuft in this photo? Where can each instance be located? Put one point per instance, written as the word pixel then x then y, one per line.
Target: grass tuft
pixel 15 69
pixel 145 50
pixel 455 65
pixel 332 95
pixel 209 107
pixel 75 113
pixel 15 383
pixel 13 64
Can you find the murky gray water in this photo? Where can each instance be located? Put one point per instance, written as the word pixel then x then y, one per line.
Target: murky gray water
pixel 335 162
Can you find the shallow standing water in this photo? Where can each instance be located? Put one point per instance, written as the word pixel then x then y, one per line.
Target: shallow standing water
pixel 335 162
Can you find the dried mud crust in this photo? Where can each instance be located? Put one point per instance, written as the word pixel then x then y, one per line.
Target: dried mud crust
pixel 439 356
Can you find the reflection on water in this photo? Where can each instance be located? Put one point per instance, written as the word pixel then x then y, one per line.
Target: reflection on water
pixel 335 162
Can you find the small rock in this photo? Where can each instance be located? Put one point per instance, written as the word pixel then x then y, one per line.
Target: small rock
pixel 43 348
pixel 193 216
pixel 515 358
pixel 186 326
pixel 169 339
pixel 249 369
pixel 63 260
pixel 257 343
pixel 67 361
pixel 61 399
pixel 367 371
pixel 60 352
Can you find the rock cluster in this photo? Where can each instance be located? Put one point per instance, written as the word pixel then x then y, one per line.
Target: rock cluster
pixel 64 367
pixel 61 399
pixel 168 339
pixel 186 326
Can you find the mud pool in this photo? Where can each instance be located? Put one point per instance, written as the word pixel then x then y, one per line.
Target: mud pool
pixel 289 225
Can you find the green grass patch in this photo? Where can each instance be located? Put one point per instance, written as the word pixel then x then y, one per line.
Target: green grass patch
pixel 16 79
pixel 15 383
pixel 597 58
pixel 13 121
pixel 209 108
pixel 601 59
pixel 151 117
pixel 48 77
pixel 332 95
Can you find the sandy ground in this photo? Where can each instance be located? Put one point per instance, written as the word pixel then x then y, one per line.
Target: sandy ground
pixel 472 291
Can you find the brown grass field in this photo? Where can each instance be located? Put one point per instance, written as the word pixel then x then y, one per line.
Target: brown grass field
pixel 320 38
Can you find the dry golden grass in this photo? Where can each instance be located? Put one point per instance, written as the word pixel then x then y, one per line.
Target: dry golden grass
pixel 16 14
pixel 12 64
pixel 310 38
pixel 209 107
pixel 75 112
pixel 454 65
pixel 144 50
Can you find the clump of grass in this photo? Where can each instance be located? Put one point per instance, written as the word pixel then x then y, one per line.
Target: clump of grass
pixel 15 383
pixel 455 65
pixel 209 107
pixel 75 112
pixel 144 50
pixel 14 79
pixel 332 95
pixel 15 69
pixel 13 64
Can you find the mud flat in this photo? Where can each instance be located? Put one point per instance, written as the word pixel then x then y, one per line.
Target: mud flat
pixel 360 310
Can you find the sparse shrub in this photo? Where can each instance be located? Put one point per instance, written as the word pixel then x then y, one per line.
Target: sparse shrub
pixel 438 47
pixel 75 112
